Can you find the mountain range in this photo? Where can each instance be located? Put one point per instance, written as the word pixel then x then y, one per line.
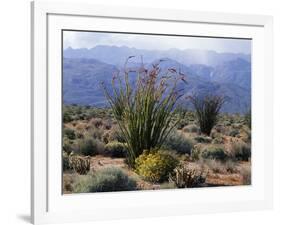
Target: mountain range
pixel 225 74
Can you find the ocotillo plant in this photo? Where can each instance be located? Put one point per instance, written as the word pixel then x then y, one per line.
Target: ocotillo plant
pixel 144 111
pixel 207 109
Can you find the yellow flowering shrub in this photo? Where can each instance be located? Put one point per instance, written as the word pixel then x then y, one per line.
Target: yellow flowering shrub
pixel 155 166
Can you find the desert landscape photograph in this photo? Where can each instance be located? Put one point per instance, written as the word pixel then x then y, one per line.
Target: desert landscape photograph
pixel 154 111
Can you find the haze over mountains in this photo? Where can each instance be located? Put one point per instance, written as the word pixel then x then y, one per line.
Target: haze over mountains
pixel 207 72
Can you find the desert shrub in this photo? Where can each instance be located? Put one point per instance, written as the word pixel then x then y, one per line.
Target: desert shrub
pixel 95 133
pixel 107 125
pixel 105 180
pixel 114 134
pixel 233 132
pixel 220 167
pixel 240 150
pixel 246 175
pixel 67 145
pixel 214 152
pixel 89 146
pixel 155 166
pixel 105 137
pixel 214 165
pixel 67 117
pixel 192 128
pixel 185 177
pixel 219 129
pixel 96 122
pixel 80 134
pixel 80 165
pixel 230 166
pixel 144 110
pixel 203 139
pixel 115 149
pixel 245 135
pixel 195 152
pixel 237 126
pixel 69 133
pixel 65 160
pixel 178 142
pixel 218 140
pixel 207 111
pixel 68 182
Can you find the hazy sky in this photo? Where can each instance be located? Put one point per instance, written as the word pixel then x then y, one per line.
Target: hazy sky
pixel 76 39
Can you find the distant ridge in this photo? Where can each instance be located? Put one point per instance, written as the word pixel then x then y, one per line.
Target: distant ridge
pixel 117 55
pixel 82 79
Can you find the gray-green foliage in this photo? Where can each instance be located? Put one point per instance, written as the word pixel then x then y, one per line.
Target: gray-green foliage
pixel 89 146
pixel 214 152
pixel 144 111
pixel 115 149
pixel 178 142
pixel 105 180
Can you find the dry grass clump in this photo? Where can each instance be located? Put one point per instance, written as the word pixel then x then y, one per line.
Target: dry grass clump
pixel 217 166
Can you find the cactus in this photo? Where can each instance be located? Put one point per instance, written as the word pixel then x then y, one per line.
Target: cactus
pixel 184 177
pixel 79 164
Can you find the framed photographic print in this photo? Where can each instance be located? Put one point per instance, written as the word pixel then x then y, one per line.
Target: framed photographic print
pixel 147 112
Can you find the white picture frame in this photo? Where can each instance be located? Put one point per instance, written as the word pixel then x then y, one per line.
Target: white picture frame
pixel 48 205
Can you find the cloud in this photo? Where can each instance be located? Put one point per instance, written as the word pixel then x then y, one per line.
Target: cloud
pixel 78 39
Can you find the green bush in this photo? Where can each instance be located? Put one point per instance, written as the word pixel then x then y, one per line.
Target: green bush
pixel 105 180
pixel 115 149
pixel 178 143
pixel 89 146
pixel 240 150
pixel 155 166
pixel 214 152
pixel 65 160
pixel 68 145
pixel 69 133
pixel 67 117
